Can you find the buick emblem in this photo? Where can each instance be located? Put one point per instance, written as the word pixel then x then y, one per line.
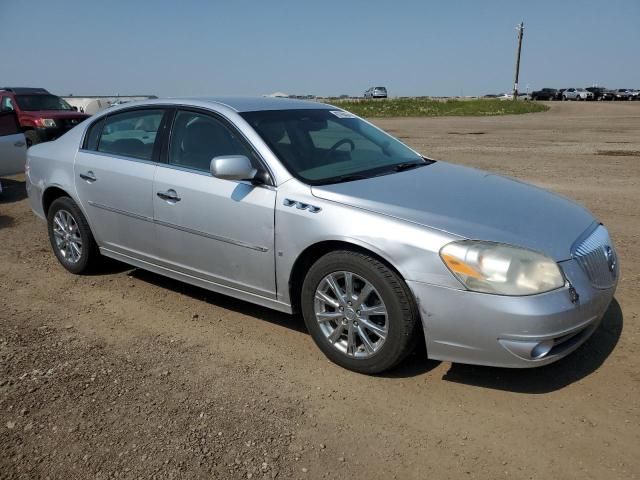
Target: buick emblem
pixel 611 258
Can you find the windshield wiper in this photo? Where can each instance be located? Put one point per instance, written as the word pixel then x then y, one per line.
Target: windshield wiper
pixel 401 167
pixel 346 178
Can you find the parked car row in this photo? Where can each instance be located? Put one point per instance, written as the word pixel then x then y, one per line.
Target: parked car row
pixel 585 94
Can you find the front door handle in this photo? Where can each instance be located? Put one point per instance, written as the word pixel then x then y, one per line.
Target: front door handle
pixel 89 176
pixel 19 143
pixel 170 196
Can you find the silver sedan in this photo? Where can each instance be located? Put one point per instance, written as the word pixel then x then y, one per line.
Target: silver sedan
pixel 304 207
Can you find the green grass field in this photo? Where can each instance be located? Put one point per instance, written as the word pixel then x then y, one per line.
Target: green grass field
pixel 426 107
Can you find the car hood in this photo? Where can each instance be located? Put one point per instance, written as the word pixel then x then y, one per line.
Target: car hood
pixel 472 204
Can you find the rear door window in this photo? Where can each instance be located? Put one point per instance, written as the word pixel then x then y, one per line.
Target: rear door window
pixel 131 134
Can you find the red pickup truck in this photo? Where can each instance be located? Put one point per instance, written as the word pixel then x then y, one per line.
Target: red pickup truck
pixel 42 115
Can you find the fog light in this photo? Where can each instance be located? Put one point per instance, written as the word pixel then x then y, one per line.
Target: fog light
pixel 541 349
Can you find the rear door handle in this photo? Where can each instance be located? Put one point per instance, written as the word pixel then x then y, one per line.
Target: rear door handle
pixel 170 196
pixel 19 143
pixel 89 176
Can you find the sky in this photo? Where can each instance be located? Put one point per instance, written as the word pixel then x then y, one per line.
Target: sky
pixel 252 47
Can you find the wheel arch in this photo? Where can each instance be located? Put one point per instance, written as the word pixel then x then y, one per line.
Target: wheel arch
pixel 313 252
pixel 50 194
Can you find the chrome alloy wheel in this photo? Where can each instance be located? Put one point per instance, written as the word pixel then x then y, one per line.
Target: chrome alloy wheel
pixel 67 236
pixel 351 314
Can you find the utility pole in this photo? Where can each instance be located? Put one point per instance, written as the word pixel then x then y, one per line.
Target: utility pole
pixel 520 29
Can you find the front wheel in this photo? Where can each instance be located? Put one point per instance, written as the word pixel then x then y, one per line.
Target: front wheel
pixel 359 312
pixel 70 236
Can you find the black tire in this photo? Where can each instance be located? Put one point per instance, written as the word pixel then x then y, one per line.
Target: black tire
pixel 402 313
pixel 90 255
pixel 31 138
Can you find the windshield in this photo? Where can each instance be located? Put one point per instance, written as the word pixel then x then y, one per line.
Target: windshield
pixel 322 146
pixel 41 102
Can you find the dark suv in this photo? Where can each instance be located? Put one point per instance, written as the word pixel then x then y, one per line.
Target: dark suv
pixel 600 93
pixel 42 115
pixel 544 94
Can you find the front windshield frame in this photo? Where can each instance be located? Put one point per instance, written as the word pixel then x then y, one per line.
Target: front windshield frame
pixel 34 102
pixel 341 117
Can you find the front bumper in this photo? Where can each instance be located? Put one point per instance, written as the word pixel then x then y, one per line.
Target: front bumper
pixel 477 328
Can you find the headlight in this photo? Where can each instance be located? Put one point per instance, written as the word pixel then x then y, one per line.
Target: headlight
pixel 46 122
pixel 501 269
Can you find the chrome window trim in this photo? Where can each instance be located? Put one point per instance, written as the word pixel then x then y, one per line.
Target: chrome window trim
pixel 208 174
pixel 118 157
pixel 209 110
pixel 231 241
pixel 103 115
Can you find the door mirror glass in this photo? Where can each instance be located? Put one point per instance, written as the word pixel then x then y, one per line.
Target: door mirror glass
pixel 233 167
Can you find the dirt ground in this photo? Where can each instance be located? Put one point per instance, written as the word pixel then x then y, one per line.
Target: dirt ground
pixel 126 374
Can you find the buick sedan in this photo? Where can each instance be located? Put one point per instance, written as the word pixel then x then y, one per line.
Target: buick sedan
pixel 303 207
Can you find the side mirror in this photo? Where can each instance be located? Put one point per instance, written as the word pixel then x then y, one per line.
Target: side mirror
pixel 233 167
pixel 74 108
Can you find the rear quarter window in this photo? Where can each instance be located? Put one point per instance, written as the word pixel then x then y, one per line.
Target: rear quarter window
pixel 93 135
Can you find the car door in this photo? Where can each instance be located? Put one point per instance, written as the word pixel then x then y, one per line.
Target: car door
pixel 218 230
pixel 13 148
pixel 114 173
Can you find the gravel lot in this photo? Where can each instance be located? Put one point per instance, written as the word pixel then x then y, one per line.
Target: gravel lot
pixel 129 375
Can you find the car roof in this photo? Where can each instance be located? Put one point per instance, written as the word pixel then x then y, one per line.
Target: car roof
pixel 25 90
pixel 252 104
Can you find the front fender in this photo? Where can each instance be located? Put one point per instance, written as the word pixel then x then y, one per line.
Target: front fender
pixel 411 249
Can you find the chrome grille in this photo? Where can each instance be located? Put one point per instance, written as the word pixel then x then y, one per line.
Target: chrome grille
pixel 597 257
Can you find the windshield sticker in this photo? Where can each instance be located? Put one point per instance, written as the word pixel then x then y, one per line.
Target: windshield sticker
pixel 342 114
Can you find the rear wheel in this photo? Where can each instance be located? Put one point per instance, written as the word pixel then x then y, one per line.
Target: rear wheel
pixel 70 236
pixel 359 312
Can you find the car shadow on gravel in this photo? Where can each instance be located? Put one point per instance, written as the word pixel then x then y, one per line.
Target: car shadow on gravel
pixel 293 322
pixel 5 221
pixel 12 190
pixel 415 364
pixel 581 363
